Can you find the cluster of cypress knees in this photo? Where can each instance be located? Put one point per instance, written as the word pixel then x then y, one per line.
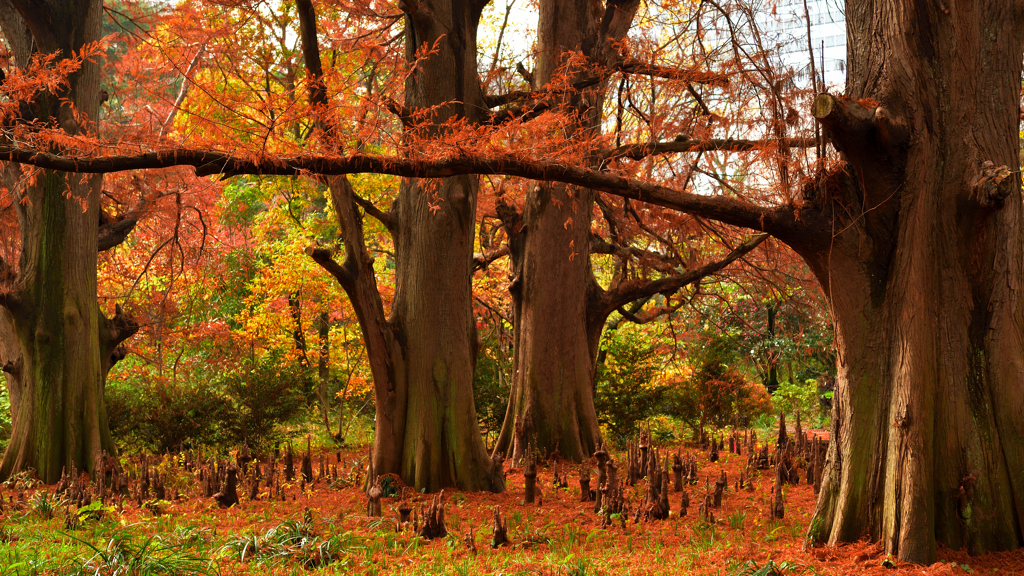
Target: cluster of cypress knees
pixel 643 461
pixel 144 479
pixel 221 480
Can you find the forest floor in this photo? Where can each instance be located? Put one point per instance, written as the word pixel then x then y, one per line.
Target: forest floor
pixel 559 535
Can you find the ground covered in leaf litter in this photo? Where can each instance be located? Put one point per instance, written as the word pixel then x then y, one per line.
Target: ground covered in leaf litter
pixel 324 530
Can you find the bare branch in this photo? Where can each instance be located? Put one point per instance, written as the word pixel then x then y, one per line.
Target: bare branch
pixel 662 263
pixel 186 82
pixel 633 66
pixel 630 66
pixel 368 207
pixel 482 260
pixel 635 290
pixel 684 144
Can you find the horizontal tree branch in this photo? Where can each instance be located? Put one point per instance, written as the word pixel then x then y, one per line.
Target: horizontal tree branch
pixel 854 125
pixel 649 315
pixel 630 66
pixel 662 262
pixel 634 66
pixel 780 221
pixel 481 260
pixel 524 113
pixel 683 144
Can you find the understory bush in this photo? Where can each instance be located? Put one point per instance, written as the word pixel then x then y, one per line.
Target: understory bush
pixel 717 394
pixel 491 387
pixel 248 405
pixel 5 417
pixel 801 398
pixel 627 389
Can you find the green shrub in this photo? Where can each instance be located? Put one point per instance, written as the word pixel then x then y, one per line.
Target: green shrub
pixel 261 399
pixel 627 392
pixel 247 405
pixel 717 394
pixel 793 398
pixel 5 417
pixel 165 415
pixel 491 387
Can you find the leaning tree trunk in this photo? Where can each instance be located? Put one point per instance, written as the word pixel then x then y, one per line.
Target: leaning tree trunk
pixel 64 343
pixel 926 285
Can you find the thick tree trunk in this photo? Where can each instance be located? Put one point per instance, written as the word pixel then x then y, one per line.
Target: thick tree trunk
pixel 552 403
pixel 60 419
pixel 433 315
pixel 65 344
pixel 423 357
pixel 435 219
pixel 552 399
pixel 925 286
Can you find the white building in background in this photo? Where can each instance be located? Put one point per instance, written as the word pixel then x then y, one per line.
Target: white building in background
pixel 788 28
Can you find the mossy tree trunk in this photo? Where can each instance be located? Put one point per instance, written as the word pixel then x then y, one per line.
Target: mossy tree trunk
pixel 926 284
pixel 64 345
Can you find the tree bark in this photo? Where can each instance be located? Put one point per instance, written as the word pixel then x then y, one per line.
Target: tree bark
pixel 925 282
pixel 551 406
pixel 552 399
pixel 64 343
pixel 423 356
pixel 435 229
